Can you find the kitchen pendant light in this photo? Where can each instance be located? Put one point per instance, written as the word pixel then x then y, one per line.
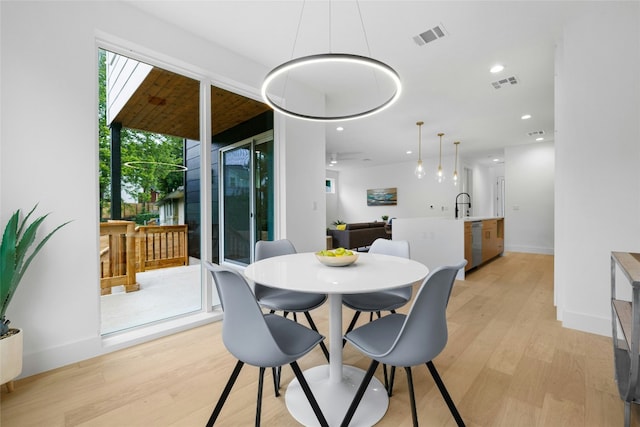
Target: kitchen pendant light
pixel 455 167
pixel 419 171
pixel 439 174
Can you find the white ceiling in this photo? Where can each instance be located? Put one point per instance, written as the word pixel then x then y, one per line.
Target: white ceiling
pixel 446 83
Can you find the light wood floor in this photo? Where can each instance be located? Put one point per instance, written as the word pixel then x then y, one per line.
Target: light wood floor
pixel 508 362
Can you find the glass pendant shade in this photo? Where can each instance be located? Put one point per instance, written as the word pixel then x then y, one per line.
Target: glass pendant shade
pixel 439 174
pixel 419 171
pixel 455 167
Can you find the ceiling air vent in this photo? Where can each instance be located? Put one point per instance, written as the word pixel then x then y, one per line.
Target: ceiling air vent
pixel 507 81
pixel 429 35
pixel 536 133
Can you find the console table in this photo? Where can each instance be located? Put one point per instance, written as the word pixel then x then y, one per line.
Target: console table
pixel 625 322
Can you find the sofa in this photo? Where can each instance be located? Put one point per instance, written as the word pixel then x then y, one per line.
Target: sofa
pixel 359 235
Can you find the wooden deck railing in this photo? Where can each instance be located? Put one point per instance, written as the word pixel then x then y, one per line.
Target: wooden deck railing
pixel 161 246
pixel 117 256
pixel 126 249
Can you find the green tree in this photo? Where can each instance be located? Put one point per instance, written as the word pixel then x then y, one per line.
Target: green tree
pixel 151 162
pixel 104 145
pixel 149 154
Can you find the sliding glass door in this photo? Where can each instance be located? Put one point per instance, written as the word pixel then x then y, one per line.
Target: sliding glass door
pixel 148 130
pixel 247 195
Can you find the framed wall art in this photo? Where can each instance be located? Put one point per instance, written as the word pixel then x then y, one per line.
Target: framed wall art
pixel 382 197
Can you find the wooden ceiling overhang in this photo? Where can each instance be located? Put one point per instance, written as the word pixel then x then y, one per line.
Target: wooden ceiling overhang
pixel 168 103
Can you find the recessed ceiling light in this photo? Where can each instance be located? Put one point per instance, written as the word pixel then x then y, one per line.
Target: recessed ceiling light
pixel 526 116
pixel 339 128
pixel 496 160
pixel 540 139
pixel 497 68
pixel 409 152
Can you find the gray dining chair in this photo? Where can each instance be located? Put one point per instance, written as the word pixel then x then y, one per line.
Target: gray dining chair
pixel 281 299
pixel 385 300
pixel 258 339
pixel 411 339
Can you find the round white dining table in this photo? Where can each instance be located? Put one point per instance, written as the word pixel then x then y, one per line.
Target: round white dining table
pixel 335 384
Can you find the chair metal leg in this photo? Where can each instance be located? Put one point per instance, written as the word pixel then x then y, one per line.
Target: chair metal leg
pixel 361 390
pixel 412 397
pixel 393 375
pixel 276 380
pixel 259 401
pixel 313 326
pixel 627 414
pixel 351 325
pixel 386 378
pixel 307 391
pixel 225 394
pixel 445 394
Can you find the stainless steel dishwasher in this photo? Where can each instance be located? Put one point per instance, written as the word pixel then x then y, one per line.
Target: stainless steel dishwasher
pixel 476 243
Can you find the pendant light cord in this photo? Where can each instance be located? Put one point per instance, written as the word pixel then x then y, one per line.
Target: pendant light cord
pixel 293 49
pixel 420 140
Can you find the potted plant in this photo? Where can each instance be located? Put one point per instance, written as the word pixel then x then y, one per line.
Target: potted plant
pixel 385 217
pixel 17 250
pixel 340 225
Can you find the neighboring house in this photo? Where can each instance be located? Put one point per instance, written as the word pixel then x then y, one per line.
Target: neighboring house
pixel 171 208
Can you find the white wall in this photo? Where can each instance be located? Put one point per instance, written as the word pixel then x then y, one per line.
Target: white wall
pixel 332 199
pixel 484 189
pixel 529 175
pixel 416 197
pixel 529 199
pixel 597 156
pixel 48 154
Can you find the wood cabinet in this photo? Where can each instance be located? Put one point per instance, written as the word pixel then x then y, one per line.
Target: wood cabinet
pixel 489 239
pixel 491 242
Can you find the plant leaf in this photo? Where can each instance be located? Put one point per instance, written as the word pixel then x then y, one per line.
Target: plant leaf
pixel 18 237
pixel 7 260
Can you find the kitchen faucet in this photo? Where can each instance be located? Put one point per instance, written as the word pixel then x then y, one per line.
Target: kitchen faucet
pixel 462 203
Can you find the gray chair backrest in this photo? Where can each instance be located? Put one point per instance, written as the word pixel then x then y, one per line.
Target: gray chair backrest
pixel 268 249
pixel 424 333
pixel 271 248
pixel 390 247
pixel 398 248
pixel 244 331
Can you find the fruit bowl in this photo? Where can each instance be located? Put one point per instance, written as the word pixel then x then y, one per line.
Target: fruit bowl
pixel 337 261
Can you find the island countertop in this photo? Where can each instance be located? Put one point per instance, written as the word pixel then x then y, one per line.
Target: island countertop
pixel 479 218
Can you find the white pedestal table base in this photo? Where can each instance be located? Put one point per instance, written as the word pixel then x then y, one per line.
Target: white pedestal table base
pixel 334 398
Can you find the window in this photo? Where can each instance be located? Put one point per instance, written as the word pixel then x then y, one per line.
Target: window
pixel 330 185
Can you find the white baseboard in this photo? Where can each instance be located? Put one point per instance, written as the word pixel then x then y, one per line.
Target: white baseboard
pixel 529 249
pixel 586 323
pixel 52 358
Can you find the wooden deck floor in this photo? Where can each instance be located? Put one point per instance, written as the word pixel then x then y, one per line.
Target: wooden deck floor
pixel 508 362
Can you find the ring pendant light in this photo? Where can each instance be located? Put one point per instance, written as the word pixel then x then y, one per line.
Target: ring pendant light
pixel 334 58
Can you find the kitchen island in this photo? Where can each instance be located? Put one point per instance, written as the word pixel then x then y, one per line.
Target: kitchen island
pixel 445 241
